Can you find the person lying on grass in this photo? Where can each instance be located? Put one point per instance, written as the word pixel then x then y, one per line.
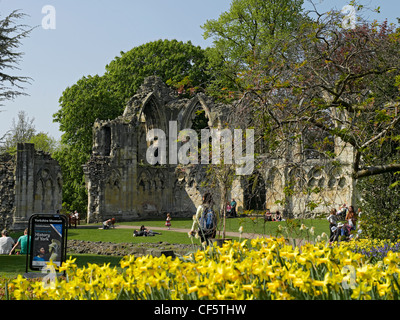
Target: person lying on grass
pixel 144 232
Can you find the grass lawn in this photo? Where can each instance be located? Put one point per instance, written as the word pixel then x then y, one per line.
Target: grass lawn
pixel 125 235
pixel 250 225
pixel 11 266
pixel 259 226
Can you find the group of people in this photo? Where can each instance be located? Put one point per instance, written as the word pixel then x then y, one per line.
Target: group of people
pixel 73 218
pixel 268 216
pixel 231 209
pixel 204 221
pixel 8 245
pixel 343 230
pixel 145 232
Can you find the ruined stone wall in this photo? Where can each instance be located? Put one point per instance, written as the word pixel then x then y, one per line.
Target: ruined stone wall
pixel 30 183
pixel 324 184
pixel 123 185
pixel 119 180
pixel 7 196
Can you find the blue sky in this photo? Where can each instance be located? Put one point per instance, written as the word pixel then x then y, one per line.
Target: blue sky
pixel 91 33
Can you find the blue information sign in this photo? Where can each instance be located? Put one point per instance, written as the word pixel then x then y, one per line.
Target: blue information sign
pixel 48 237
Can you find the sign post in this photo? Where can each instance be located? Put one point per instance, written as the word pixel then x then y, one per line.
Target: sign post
pixel 47 236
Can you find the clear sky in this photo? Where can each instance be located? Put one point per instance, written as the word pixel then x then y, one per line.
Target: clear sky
pixel 89 34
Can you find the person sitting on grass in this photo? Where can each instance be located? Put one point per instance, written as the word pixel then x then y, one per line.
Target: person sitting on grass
pixel 6 242
pixel 278 216
pixel 332 218
pixel 23 240
pixel 268 215
pixel 341 232
pixel 108 223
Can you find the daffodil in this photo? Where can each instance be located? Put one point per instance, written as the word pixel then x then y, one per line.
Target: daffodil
pixel 267 268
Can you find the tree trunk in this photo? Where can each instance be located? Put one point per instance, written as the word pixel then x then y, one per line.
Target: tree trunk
pixel 223 208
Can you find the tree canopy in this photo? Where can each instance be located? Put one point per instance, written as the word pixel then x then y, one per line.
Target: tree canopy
pixel 24 131
pixel 318 81
pixel 246 38
pixel 300 75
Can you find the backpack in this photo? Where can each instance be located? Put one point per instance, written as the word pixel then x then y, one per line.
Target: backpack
pixel 208 219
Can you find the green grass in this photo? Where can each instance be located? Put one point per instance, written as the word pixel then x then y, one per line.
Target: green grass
pixel 125 235
pixel 183 223
pixel 250 225
pixel 259 226
pixel 11 266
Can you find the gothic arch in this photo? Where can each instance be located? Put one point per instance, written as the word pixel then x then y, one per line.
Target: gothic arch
pixel 144 181
pixel 317 177
pixel 187 114
pixel 297 179
pixel 255 192
pixel 152 113
pixel 274 187
pixel 150 116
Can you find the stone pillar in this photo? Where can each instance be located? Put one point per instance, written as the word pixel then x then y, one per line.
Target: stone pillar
pixel 24 184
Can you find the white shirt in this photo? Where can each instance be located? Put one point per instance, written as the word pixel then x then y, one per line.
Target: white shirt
pixel 6 244
pixel 332 219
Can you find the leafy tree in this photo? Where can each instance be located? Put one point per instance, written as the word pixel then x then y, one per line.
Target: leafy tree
pixel 74 193
pixel 338 81
pixel 44 142
pixel 173 61
pixel 21 131
pixel 182 65
pixel 24 131
pixel 308 75
pixel 314 81
pixel 80 105
pixel 380 216
pixel 346 87
pixel 248 41
pixel 245 38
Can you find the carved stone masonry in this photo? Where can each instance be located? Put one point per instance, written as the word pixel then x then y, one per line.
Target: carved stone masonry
pixel 30 183
pixel 122 184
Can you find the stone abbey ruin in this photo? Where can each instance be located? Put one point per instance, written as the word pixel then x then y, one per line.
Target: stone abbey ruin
pixel 122 184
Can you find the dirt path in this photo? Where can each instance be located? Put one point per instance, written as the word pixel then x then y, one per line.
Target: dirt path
pixel 228 233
